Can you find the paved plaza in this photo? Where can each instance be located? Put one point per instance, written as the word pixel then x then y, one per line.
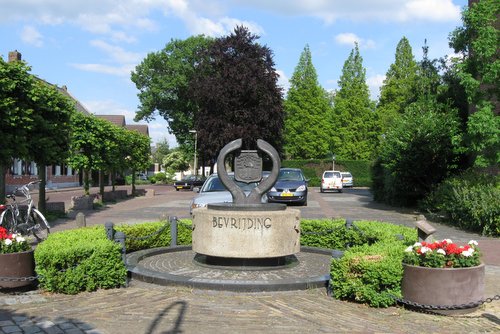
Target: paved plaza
pixel 147 308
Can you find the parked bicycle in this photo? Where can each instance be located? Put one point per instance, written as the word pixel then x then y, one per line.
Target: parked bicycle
pixel 29 222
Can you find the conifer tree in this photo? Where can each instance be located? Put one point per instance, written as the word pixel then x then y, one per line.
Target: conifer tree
pixel 355 123
pixel 398 90
pixel 307 113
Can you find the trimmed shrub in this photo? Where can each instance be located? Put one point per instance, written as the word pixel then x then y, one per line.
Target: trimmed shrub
pixel 152 235
pixel 371 269
pixel 79 260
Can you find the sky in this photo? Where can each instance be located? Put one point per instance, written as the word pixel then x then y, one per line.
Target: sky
pixel 92 46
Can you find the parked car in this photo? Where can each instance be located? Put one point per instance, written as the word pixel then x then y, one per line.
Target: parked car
pixel 291 187
pixel 331 180
pixel 189 182
pixel 141 176
pixel 347 179
pixel 213 191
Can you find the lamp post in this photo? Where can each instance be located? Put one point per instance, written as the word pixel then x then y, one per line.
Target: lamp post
pixel 195 149
pixel 333 159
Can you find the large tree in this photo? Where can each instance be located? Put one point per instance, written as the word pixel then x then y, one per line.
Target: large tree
pixel 479 72
pixel 163 79
pixel 48 139
pixel 236 89
pixel 308 113
pixel 398 90
pixel 356 129
pixel 16 84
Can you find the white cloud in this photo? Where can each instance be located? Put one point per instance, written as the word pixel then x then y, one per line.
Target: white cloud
pixel 361 10
pixel 350 38
pixel 32 36
pixel 283 81
pixel 117 53
pixel 374 83
pixel 106 69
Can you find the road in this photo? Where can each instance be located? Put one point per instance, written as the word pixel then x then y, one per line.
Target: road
pixel 355 204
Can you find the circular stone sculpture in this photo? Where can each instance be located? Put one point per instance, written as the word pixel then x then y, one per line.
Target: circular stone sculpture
pixel 246 234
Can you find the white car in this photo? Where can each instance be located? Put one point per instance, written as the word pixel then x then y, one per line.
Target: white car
pixel 331 180
pixel 347 179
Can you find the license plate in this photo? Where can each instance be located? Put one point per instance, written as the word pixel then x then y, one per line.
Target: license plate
pixel 286 194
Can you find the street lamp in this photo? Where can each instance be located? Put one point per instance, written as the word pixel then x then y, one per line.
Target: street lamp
pixel 333 158
pixel 195 148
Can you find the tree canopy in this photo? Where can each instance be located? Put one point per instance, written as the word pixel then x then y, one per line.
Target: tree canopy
pixel 355 125
pixel 398 90
pixel 163 78
pixel 235 88
pixel 308 114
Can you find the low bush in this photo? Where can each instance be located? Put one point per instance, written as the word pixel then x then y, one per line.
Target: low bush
pixel 79 260
pixel 370 271
pixel 470 201
pixel 152 235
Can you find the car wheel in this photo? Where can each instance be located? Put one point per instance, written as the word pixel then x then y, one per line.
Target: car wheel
pixel 340 190
pixel 321 190
pixel 176 189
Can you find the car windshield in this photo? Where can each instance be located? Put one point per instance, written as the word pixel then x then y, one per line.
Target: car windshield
pixel 346 175
pixel 215 184
pixel 329 175
pixel 290 175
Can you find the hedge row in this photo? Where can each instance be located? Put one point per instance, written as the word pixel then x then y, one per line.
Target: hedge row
pixel 369 272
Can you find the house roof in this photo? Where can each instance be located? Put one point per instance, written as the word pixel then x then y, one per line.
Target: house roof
pixel 118 120
pixel 141 128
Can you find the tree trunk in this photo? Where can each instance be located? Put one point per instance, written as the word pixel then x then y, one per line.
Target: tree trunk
pixel 101 182
pixel 133 182
pixel 42 175
pixel 2 184
pixel 86 182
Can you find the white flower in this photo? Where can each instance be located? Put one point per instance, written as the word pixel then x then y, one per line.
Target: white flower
pixel 473 243
pixel 448 241
pixel 417 244
pixel 425 250
pixel 14 235
pixel 20 239
pixel 409 249
pixel 441 251
pixel 467 253
pixel 8 242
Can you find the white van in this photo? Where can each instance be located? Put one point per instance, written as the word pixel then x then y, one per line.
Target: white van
pixel 331 180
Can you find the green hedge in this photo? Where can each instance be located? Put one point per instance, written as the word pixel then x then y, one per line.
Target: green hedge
pixel 370 270
pixel 159 233
pixel 313 170
pixel 79 260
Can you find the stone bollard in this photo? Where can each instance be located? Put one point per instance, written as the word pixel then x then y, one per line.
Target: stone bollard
pixel 80 220
pixel 173 231
pixel 110 230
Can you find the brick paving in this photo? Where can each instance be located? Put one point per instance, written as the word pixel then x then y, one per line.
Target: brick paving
pixel 148 308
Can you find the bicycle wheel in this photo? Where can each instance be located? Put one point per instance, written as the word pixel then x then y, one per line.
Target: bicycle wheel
pixel 8 220
pixel 38 225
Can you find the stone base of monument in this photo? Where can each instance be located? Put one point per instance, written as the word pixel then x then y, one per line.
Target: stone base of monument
pixel 232 233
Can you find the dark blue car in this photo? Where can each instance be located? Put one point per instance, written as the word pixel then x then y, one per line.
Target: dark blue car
pixel 291 187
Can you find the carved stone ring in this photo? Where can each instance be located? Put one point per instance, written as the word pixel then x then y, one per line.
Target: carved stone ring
pixel 248 168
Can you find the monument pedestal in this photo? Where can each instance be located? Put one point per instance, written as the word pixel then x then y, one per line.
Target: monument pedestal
pixel 246 234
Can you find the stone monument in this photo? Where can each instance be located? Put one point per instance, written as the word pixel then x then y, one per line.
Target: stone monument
pixel 246 229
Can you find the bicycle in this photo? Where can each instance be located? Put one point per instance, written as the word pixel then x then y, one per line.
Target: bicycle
pixel 15 220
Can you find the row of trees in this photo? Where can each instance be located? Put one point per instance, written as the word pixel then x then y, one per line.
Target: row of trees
pixel 41 124
pixel 420 131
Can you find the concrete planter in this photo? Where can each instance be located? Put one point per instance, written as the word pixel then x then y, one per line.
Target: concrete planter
pixel 443 286
pixel 17 266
